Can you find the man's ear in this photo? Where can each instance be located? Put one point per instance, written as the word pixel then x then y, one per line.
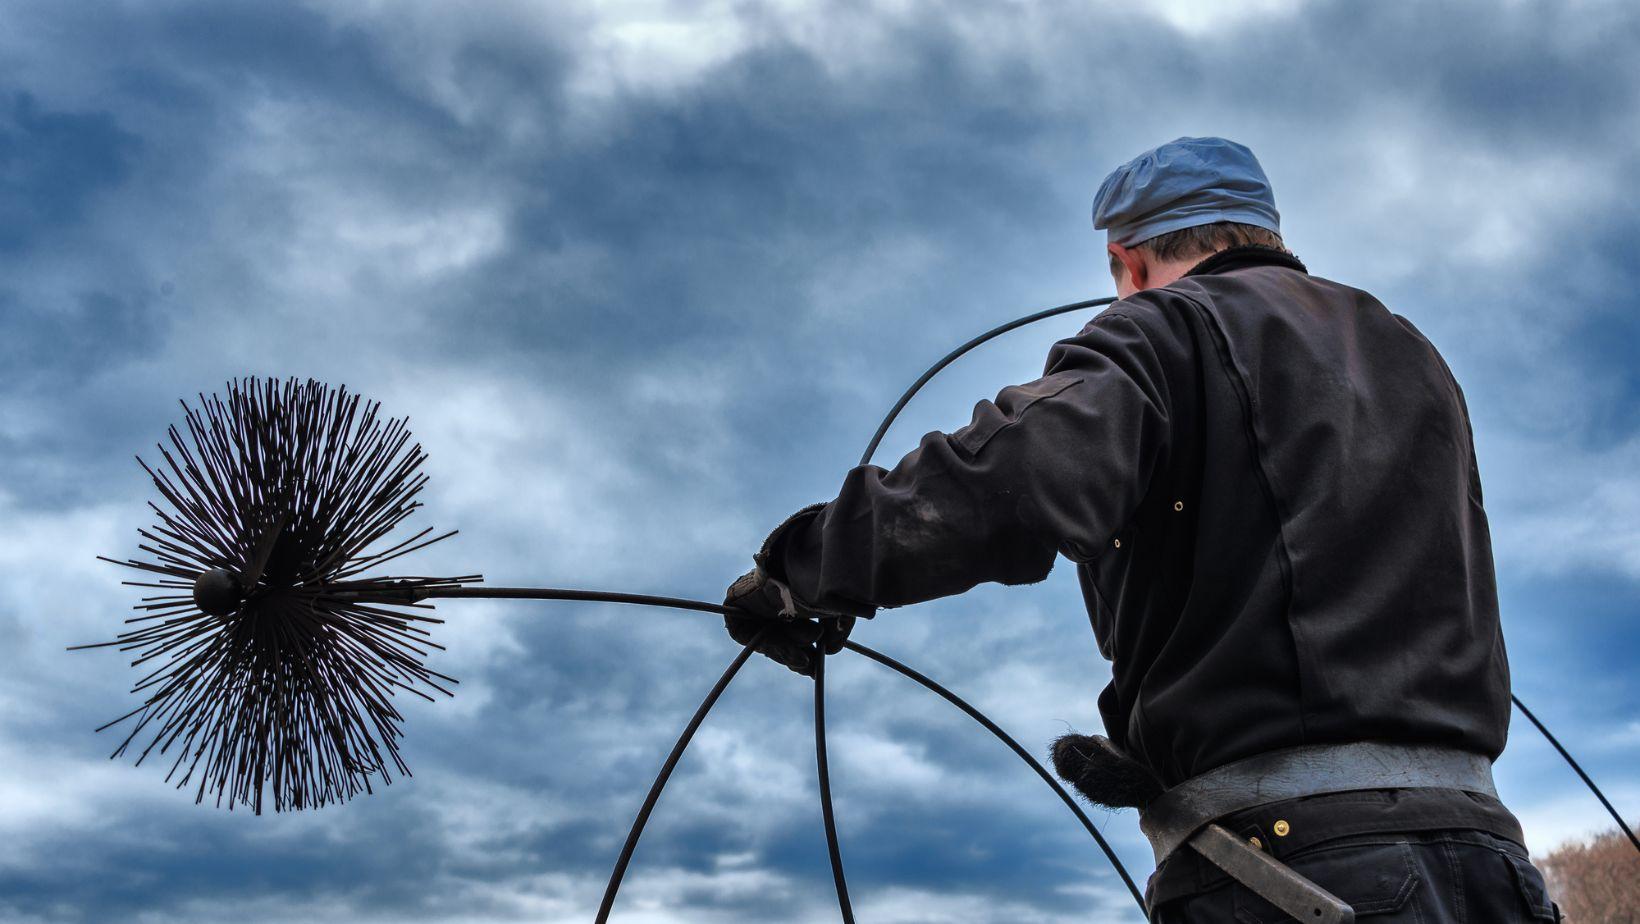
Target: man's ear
pixel 1138 270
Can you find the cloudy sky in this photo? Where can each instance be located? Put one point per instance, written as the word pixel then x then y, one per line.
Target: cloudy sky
pixel 644 275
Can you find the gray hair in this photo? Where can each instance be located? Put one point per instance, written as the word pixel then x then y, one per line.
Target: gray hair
pixel 1203 240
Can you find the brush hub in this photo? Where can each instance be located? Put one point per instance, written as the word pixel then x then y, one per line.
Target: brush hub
pixel 218 591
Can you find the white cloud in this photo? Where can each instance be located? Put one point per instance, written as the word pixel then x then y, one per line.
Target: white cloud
pixel 1557 510
pixel 918 906
pixel 1624 737
pixel 1204 17
pixel 872 762
pixel 1552 820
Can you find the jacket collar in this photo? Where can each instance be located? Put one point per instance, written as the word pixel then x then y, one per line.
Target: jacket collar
pixel 1236 258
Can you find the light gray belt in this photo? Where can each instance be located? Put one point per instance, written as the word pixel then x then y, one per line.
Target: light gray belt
pixel 1180 812
pixel 1185 814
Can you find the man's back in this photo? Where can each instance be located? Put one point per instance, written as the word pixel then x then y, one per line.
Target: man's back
pixel 1310 562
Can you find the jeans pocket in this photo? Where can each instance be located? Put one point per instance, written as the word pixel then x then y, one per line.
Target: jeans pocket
pixel 1533 891
pixel 1373 879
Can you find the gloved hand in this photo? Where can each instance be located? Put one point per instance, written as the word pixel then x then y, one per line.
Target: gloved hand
pixel 792 636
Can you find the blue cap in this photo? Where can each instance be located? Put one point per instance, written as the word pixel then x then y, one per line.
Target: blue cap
pixel 1182 184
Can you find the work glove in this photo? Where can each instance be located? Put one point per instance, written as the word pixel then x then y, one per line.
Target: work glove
pixel 1103 773
pixel 793 634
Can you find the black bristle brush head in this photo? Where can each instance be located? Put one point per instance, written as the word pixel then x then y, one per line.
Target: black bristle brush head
pixel 274 656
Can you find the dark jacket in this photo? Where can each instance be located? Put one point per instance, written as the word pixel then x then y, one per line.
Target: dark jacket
pixel 1268 485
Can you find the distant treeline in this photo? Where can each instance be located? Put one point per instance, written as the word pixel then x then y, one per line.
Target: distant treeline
pixel 1596 881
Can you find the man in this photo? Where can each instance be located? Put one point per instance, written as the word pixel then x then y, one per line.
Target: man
pixel 1268 485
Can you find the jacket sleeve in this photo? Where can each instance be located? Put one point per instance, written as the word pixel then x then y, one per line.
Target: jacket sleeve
pixel 1058 464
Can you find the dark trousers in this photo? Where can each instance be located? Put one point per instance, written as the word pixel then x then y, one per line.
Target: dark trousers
pixel 1434 877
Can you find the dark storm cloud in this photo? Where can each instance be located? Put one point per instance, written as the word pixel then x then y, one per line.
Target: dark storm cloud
pixel 1602 274
pixel 51 164
pixel 722 208
pixel 61 344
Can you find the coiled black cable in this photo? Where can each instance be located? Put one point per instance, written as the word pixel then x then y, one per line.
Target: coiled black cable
pixel 822 771
pixel 871 449
pixel 833 849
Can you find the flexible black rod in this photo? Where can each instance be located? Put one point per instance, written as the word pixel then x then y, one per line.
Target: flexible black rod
pixel 1586 780
pixel 951 357
pixel 560 593
pixel 636 831
pixel 824 775
pixel 1013 745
